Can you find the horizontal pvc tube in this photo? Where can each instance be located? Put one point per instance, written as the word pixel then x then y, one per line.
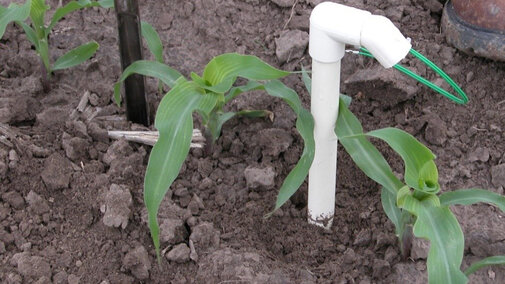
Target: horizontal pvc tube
pixel 322 175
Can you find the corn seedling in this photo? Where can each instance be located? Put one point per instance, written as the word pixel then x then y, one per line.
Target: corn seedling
pixel 38 33
pixel 415 201
pixel 207 95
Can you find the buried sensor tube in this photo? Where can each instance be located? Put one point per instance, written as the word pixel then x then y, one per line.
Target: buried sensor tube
pixel 332 26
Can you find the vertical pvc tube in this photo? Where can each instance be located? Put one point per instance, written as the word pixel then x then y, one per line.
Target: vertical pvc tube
pixel 130 47
pixel 323 173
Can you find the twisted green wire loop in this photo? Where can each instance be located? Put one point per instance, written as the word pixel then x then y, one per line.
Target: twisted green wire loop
pixel 462 99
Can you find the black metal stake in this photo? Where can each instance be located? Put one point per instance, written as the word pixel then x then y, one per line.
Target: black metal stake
pixel 130 46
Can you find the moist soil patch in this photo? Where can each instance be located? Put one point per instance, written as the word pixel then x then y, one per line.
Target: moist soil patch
pixel 71 204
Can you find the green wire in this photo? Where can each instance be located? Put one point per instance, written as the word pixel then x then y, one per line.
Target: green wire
pixel 463 99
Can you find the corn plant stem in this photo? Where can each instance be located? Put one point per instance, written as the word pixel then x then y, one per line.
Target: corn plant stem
pixel 127 12
pixel 44 77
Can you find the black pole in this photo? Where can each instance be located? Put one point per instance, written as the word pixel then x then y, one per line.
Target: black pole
pixel 130 47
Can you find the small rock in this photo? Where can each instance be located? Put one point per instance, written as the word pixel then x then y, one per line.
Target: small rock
pixel 469 76
pixel 274 141
pixel 436 130
pixel 420 248
pixel 60 278
pixel 498 175
pixel 97 133
pixel 381 269
pixel 172 231
pixel 119 148
pixel 13 278
pixel 2 248
pixel 291 45
pixel 349 256
pixel 180 192
pixel 204 236
pixel 260 177
pixel 284 3
pixel 32 266
pixel 38 205
pixel 137 261
pixel 75 147
pixel 480 154
pixel 14 199
pixel 363 238
pixel 57 172
pixel 73 279
pixel 117 206
pixel 192 255
pixel 179 254
pixel 433 5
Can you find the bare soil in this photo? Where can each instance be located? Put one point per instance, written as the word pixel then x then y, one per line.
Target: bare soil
pixel 71 205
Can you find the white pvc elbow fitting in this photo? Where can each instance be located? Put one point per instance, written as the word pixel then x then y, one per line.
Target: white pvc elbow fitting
pixel 332 26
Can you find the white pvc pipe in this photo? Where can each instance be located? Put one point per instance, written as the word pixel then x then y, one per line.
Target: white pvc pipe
pixel 323 173
pixel 332 26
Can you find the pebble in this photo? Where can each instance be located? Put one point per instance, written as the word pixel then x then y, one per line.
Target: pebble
pixel 291 45
pixel 14 199
pixel 57 172
pixel 117 206
pixel 37 204
pixel 204 235
pixel 480 154
pixel 263 178
pixel 179 254
pixel 498 175
pixel 172 231
pixel 137 261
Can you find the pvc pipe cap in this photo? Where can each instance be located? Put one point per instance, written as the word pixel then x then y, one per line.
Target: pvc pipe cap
pixel 333 25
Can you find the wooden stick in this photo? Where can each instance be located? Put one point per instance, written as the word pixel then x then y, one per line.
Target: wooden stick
pixel 150 137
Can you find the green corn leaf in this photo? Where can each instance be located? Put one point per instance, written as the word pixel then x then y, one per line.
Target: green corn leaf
pixel 106 3
pixel 307 81
pixel 37 15
pixel 174 122
pixel 439 226
pixel 153 41
pixel 13 13
pixel 394 213
pixel 30 34
pixel 472 196
pixel 222 71
pixel 148 68
pixel 215 130
pixel 364 154
pixel 235 91
pixel 414 154
pixel 492 260
pixel 69 8
pixel 305 126
pixel 76 56
pixel 43 51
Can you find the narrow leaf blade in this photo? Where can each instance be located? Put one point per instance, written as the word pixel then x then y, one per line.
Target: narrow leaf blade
pixel 13 13
pixel 364 154
pixel 472 196
pixel 175 124
pixel 414 154
pixel 30 34
pixel 153 41
pixel 223 69
pixel 305 126
pixel 76 56
pixel 492 260
pixel 68 8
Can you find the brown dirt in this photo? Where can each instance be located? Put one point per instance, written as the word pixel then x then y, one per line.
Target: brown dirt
pixel 62 179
